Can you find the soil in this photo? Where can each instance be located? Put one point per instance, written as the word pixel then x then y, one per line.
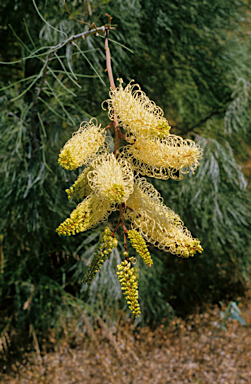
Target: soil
pixel 201 350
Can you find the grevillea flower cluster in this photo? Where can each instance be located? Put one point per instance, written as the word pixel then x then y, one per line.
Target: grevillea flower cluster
pixel 111 178
pixel 157 223
pixel 111 182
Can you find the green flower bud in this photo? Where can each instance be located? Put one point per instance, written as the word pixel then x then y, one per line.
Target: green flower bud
pixel 128 278
pixel 103 251
pixel 139 245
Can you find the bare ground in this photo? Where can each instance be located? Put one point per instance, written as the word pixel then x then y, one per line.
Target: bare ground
pixel 196 351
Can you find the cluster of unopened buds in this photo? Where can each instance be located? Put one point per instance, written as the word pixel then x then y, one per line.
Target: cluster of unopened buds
pixel 112 181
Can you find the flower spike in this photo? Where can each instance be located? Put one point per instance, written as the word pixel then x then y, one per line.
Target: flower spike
pixel 111 178
pixel 128 278
pixel 88 214
pixel 139 245
pixel 81 187
pixel 157 223
pixel 163 159
pixel 136 113
pixel 84 145
pixel 103 251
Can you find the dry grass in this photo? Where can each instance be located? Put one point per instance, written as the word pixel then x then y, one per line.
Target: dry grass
pixel 196 351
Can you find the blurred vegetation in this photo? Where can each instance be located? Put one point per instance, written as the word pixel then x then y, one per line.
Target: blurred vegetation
pixel 192 58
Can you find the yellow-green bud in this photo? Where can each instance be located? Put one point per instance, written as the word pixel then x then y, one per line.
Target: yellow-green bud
pixel 103 251
pixel 139 245
pixel 128 278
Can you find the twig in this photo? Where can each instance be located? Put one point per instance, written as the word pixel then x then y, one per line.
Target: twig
pixel 124 227
pixel 130 209
pixel 41 85
pixel 109 20
pixel 115 230
pixel 80 21
pixel 108 60
pixel 108 127
pixel 84 35
pixel 118 133
pixel 122 218
pixel 219 111
pixel 55 48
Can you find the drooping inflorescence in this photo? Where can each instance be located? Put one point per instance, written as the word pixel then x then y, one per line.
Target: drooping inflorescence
pixel 157 223
pixel 164 158
pixel 139 245
pixel 103 251
pixel 83 146
pixel 88 214
pixel 112 182
pixel 128 278
pixel 111 178
pixel 136 113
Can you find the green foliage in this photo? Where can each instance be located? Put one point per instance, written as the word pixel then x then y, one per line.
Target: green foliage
pixel 232 312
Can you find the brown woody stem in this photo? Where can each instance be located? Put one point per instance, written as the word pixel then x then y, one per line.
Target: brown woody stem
pixel 108 60
pixel 118 133
pixel 115 230
pixel 112 84
pixel 108 127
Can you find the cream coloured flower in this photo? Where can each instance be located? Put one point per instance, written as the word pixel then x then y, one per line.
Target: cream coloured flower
pixel 157 223
pixel 136 113
pixel 81 187
pixel 163 158
pixel 111 178
pixel 88 214
pixel 84 145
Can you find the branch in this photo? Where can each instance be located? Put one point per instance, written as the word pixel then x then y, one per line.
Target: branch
pixel 55 48
pixel 84 35
pixel 118 133
pixel 124 227
pixel 108 60
pixel 213 113
pixel 122 218
pixel 115 230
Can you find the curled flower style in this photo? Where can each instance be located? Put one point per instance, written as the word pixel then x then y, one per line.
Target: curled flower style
pixel 136 113
pixel 81 187
pixel 85 144
pixel 128 278
pixel 111 178
pixel 157 223
pixel 170 157
pixel 88 214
